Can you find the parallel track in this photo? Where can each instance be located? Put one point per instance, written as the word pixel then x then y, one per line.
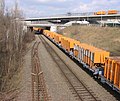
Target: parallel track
pixel 80 90
pixel 39 90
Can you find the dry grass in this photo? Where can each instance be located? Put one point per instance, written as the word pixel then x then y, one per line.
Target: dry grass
pixel 107 38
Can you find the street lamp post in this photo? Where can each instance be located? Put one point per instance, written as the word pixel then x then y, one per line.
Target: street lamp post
pixel 101 18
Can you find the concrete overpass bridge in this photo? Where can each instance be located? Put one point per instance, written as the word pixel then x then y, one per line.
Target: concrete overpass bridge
pixel 59 21
pixel 75 16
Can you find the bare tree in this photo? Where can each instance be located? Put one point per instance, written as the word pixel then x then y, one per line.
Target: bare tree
pixel 2 7
pixel 12 43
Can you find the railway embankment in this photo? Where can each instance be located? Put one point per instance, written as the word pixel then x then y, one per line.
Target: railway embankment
pixel 107 38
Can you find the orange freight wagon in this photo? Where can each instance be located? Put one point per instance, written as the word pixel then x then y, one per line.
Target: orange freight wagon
pixel 98 57
pixel 112 70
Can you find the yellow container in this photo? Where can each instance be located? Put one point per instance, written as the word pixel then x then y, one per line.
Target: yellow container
pixel 112 12
pixel 46 32
pixel 117 72
pixel 104 55
pixel 52 35
pixel 70 44
pixel 91 55
pixel 112 70
pixel 95 57
pixel 58 38
pixel 100 13
pixel 63 42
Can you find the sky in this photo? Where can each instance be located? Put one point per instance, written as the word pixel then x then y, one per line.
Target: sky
pixel 38 8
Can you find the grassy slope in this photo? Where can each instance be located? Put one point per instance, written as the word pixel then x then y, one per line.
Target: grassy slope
pixel 102 37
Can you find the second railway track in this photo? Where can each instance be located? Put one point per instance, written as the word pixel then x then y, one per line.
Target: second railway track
pixel 39 89
pixel 79 89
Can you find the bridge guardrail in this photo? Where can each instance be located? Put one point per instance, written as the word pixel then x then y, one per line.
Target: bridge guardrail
pixel 75 14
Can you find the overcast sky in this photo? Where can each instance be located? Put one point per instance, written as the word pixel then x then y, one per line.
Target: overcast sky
pixel 37 8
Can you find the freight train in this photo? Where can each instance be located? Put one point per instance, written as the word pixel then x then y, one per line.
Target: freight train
pixel 98 61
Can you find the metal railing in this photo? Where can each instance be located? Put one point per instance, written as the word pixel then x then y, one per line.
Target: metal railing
pixel 77 14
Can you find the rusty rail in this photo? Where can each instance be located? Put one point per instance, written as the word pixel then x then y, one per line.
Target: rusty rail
pixel 39 90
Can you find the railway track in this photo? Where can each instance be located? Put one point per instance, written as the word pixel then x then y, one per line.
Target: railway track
pixel 78 88
pixel 39 90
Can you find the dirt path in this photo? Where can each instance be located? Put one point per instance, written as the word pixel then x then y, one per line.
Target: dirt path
pixel 25 91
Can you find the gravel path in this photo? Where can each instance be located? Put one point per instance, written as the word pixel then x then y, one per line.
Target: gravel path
pixel 25 91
